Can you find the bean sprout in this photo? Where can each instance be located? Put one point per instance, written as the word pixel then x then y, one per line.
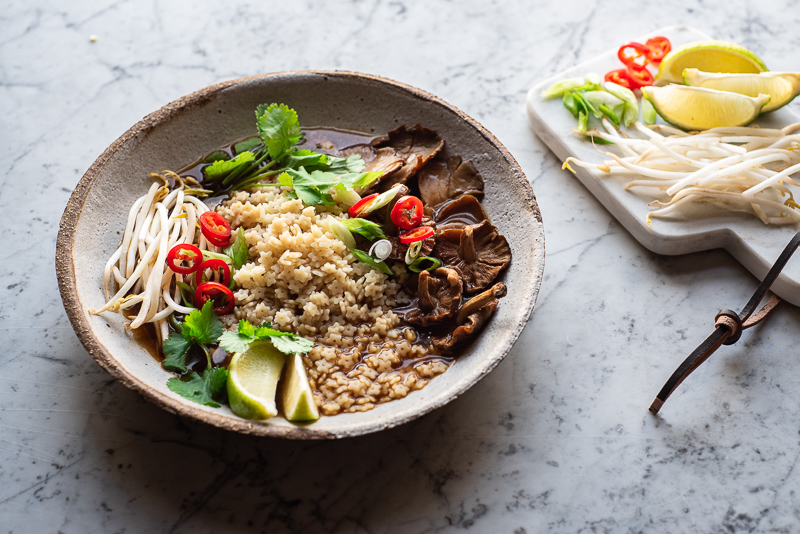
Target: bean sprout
pixel 157 221
pixel 742 169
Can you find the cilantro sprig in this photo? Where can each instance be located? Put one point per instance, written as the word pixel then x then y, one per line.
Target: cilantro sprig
pixel 311 174
pixel 285 342
pixel 203 329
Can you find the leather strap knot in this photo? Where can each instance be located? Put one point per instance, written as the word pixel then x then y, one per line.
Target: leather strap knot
pixel 728 326
pixel 731 320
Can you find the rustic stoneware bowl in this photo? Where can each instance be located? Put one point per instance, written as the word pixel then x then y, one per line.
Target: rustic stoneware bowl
pixel 194 125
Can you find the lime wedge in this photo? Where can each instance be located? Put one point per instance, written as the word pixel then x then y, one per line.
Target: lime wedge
pixel 695 108
pixel 253 380
pixel 298 401
pixel 708 56
pixel 782 87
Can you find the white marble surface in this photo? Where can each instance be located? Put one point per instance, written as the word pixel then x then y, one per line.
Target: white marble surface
pixel 557 438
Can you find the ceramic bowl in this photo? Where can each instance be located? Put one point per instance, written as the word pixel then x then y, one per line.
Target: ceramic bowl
pixel 197 124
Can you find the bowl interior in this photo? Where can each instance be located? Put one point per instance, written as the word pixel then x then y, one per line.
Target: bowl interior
pixel 192 126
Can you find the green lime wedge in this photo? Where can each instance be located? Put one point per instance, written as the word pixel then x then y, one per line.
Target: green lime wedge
pixel 298 401
pixel 695 108
pixel 782 87
pixel 253 380
pixel 708 56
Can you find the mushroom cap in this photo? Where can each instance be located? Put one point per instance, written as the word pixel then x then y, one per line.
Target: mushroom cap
pixel 459 212
pixel 443 179
pixel 438 297
pixel 376 159
pixel 416 145
pixel 472 317
pixel 478 251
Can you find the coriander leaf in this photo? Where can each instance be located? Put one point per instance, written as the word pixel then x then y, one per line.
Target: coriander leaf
pixel 247 144
pixel 238 250
pixel 216 380
pixel 311 188
pixel 246 329
pixel 285 342
pixel 234 342
pixel 221 168
pixel 216 156
pixel 203 389
pixel 305 158
pixel 353 163
pixel 278 127
pixel 203 326
pixel 175 348
pixel 360 181
pixel 368 229
pixel 363 257
pixel 285 179
pixel 292 343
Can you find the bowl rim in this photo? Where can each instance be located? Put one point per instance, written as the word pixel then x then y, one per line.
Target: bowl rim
pixel 67 283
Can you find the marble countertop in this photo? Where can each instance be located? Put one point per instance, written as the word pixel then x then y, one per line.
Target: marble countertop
pixel 558 438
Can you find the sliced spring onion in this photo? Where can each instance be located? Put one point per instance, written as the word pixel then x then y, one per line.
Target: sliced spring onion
pixel 363 257
pixel 342 233
pixel 381 250
pixel 631 112
pixel 364 227
pixel 648 112
pixel 418 265
pixel 413 252
pixel 344 196
pixel 559 88
pixel 598 98
pixel 208 255
pixel 381 200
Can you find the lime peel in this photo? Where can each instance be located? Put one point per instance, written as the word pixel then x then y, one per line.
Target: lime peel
pixel 782 87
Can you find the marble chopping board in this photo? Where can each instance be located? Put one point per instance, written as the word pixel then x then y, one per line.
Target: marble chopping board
pixel 755 245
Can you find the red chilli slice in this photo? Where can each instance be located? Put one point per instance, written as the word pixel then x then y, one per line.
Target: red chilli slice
pixel 658 48
pixel 620 77
pixel 213 264
pixel 419 233
pixel 634 55
pixel 640 77
pixel 215 228
pixel 184 252
pixel 359 206
pixel 219 294
pixel 407 212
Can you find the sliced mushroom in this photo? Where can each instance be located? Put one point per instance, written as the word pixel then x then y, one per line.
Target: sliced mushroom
pixel 438 297
pixel 460 212
pixel 443 179
pixel 478 251
pixel 416 145
pixel 472 317
pixel 377 159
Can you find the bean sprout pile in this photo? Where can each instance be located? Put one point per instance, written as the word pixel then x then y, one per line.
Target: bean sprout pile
pixel 744 169
pixel 158 221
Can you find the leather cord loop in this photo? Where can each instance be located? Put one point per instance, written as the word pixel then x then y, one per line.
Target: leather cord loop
pixel 730 320
pixel 729 326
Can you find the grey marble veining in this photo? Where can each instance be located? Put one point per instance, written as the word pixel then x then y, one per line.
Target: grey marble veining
pixel 557 438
